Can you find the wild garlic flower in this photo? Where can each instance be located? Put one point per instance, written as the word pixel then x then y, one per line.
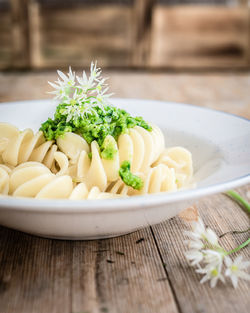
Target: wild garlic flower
pixel 212 274
pixel 81 94
pixel 194 256
pixel 210 258
pixel 235 269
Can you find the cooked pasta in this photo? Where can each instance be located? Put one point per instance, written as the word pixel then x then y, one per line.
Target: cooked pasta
pixel 140 147
pixel 4 179
pixel 90 149
pixel 33 167
pixel 179 159
pixel 22 146
pixel 81 192
pixel 160 178
pixel 33 179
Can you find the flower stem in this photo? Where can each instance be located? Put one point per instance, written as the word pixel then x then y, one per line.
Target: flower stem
pixel 235 232
pixel 244 244
pixel 233 194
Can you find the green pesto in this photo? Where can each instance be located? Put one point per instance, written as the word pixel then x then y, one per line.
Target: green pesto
pixel 90 155
pixel 109 149
pixel 130 179
pixel 93 126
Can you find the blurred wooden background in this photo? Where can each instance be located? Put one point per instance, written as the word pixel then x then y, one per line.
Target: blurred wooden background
pixel 174 34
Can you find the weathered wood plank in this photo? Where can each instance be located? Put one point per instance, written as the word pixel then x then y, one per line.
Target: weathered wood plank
pixel 142 21
pixel 35 274
pixel 123 275
pixel 20 34
pixel 79 35
pixel 199 37
pixel 118 275
pixel 5 38
pixel 223 215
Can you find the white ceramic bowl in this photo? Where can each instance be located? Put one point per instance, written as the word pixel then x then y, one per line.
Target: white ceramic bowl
pixel 218 141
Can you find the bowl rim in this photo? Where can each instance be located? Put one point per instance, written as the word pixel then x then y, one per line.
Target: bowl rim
pixel 131 203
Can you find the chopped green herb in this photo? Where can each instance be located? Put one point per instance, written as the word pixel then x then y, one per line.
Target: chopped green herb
pixel 109 148
pixel 96 125
pixel 130 179
pixel 90 155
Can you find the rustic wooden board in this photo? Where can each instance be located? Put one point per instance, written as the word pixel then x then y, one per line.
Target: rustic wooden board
pixel 199 37
pixel 134 33
pixel 5 39
pixel 116 275
pixel 78 35
pixel 222 215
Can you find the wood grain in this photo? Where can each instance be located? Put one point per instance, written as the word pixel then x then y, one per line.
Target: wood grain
pixel 5 38
pixel 200 37
pixel 20 34
pixel 73 36
pixel 116 275
pixel 139 33
pixel 222 215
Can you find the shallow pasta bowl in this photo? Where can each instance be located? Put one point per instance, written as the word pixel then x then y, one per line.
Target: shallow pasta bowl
pixel 219 143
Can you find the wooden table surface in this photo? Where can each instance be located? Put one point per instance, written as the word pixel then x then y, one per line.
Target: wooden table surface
pixel 141 272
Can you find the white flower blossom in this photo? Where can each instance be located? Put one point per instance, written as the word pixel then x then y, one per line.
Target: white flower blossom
pixel 212 273
pixel 64 86
pixel 194 256
pixel 214 258
pixel 194 244
pixel 81 94
pixel 235 269
pixel 199 228
pixel 206 254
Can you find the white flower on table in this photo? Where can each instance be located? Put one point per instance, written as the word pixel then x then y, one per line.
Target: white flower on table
pixel 235 269
pixel 200 232
pixel 209 257
pixel 212 257
pixel 212 273
pixel 211 237
pixel 194 256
